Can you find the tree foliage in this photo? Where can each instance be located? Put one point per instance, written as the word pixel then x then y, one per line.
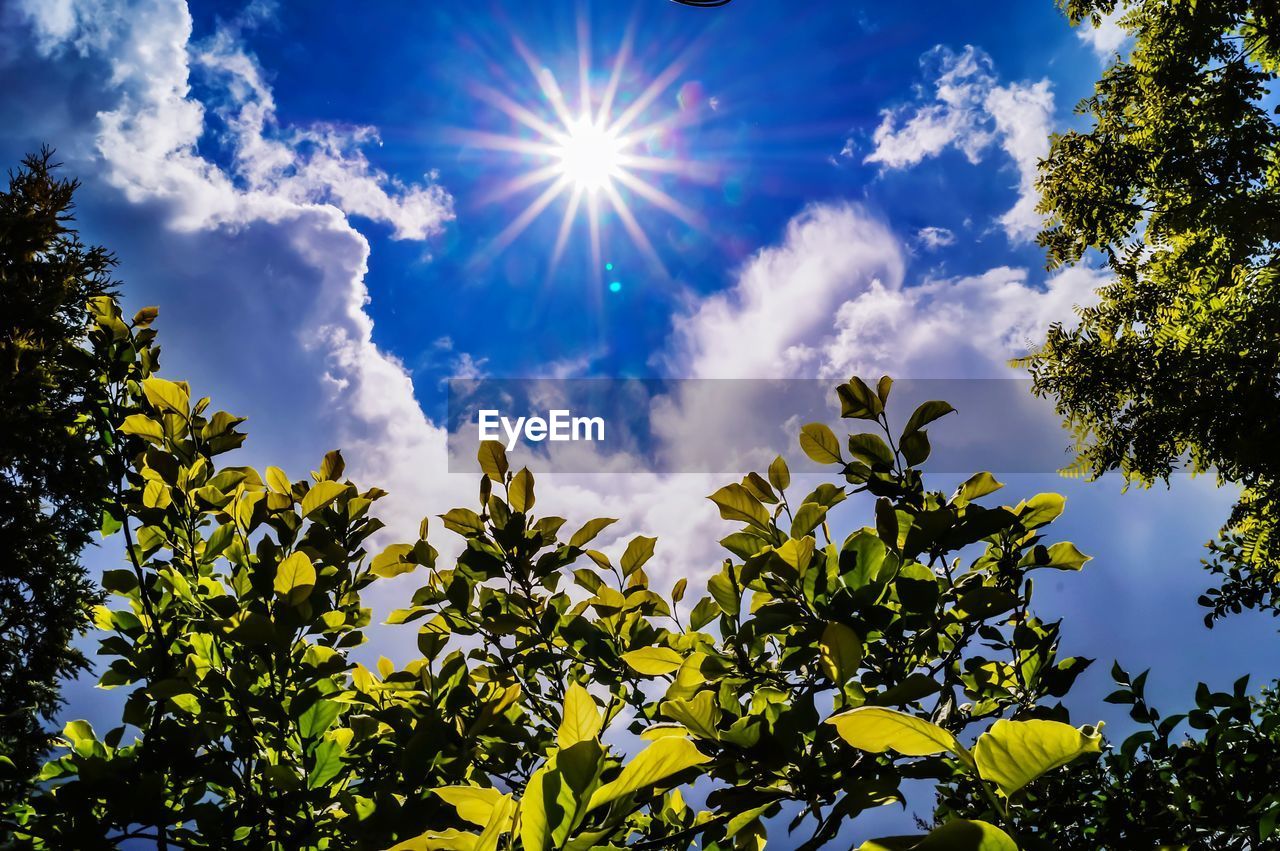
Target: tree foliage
pixel 52 486
pixel 807 677
pixel 1176 184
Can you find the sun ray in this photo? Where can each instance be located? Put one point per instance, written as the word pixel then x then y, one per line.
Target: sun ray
pixel 518 112
pixel 522 221
pixel 584 66
pixel 633 228
pixel 661 200
pixel 566 224
pixel 660 84
pixel 499 142
pixel 546 82
pixel 615 76
pixel 519 184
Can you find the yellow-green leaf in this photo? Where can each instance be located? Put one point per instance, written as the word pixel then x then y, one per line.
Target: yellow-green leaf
pixel 493 460
pixel 534 830
pixel 439 840
pixel 473 803
pixel 662 759
pixel 737 503
pixel 521 491
pixel 876 729
pixel 166 395
pixel 779 475
pixel 295 578
pixel 143 426
pixel 1013 753
pixel 321 494
pixel 278 480
pixel 955 835
pixel 1041 509
pixel 590 529
pixel 653 661
pixel 639 550
pixel 840 650
pixel 581 721
pixel 392 561
pixel 820 444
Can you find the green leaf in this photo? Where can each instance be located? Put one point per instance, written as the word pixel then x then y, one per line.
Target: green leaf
pixel 318 718
pixel 473 803
pixel 143 426
pixel 876 729
pixel 328 758
pixel 493 460
pixel 807 518
pixel 278 480
pixel 840 650
pixel 590 529
pixel 820 444
pixel 871 449
pixel 295 578
pixel 464 521
pixel 1013 753
pixel 581 720
pixel 857 401
pixel 664 758
pixel 925 414
pixel 639 550
pixel 955 835
pixel 1060 556
pixel 977 486
pixel 779 475
pixel 166 395
pixel 1040 510
pixel 653 661
pixel 797 553
pixel 439 840
pixel 737 503
pixel 534 827
pixel 321 495
pixel 700 715
pixel 915 448
pixel 393 561
pixel 521 491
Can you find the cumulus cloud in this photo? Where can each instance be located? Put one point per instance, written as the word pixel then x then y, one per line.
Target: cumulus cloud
pixel 298 183
pixel 831 301
pixel 1108 37
pixel 965 107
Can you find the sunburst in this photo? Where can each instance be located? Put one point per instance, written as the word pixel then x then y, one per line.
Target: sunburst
pixel 584 155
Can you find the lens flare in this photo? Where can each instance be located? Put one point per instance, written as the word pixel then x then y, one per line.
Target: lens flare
pixel 595 155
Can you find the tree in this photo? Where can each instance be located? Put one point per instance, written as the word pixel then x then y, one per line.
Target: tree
pixel 836 670
pixel 253 726
pixel 52 486
pixel 1161 788
pixel 1175 185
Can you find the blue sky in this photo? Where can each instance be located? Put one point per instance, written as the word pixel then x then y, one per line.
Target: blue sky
pixel 302 190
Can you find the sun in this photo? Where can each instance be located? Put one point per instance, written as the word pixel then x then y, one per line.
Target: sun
pixel 590 155
pixel 595 155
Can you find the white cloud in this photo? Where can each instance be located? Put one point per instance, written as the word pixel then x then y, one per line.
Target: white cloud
pixel 1106 39
pixel 966 108
pixel 933 238
pixel 301 183
pixel 831 301
pixel 763 326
